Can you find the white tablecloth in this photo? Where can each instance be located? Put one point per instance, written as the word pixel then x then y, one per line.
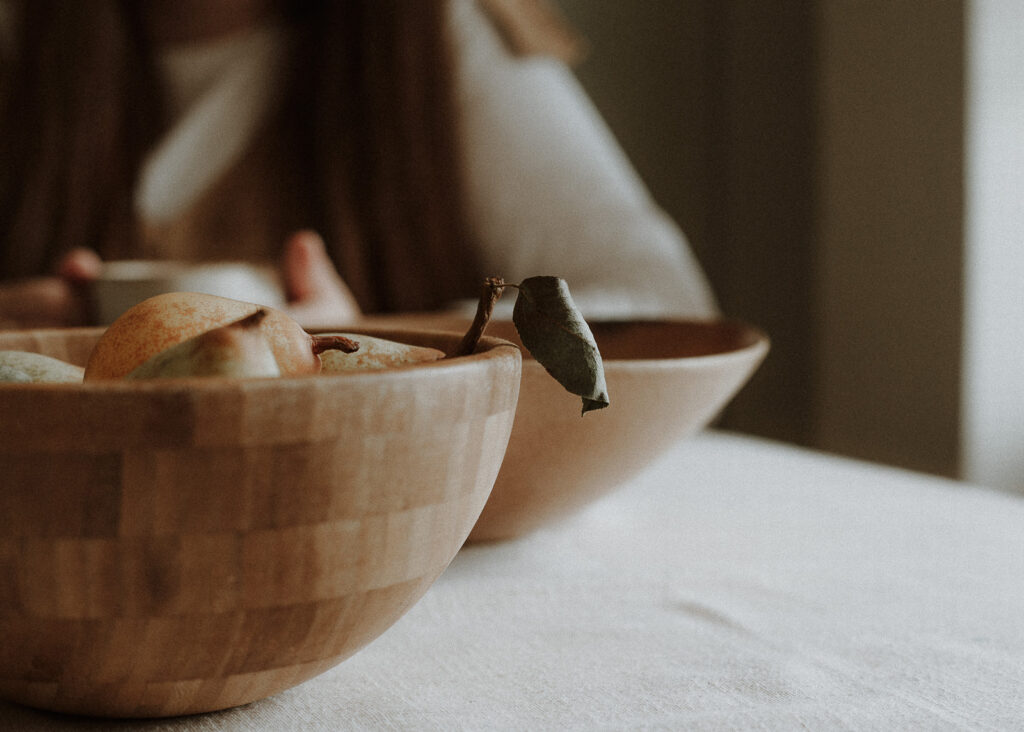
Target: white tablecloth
pixel 738 584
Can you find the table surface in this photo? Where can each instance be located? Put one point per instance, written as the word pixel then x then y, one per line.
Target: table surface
pixel 737 584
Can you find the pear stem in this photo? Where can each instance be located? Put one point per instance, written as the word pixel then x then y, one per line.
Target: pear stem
pixel 489 295
pixel 333 342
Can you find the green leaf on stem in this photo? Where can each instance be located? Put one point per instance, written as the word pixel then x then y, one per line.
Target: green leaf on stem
pixel 554 332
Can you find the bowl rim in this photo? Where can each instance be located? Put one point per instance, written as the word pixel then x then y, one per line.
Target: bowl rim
pixel 758 345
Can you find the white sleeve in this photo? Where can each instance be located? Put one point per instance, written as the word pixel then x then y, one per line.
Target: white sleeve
pixel 550 192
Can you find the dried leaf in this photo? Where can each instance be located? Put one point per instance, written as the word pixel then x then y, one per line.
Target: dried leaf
pixel 554 332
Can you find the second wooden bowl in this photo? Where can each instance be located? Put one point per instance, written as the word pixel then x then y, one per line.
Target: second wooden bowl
pixel 667 379
pixel 177 547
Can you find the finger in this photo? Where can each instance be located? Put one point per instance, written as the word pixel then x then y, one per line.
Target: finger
pixel 310 276
pixel 304 271
pixel 80 265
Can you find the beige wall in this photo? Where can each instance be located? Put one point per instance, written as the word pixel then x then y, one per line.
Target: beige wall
pixel 813 153
pixel 889 230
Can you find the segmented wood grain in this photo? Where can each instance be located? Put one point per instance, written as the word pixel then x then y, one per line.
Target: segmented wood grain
pixel 177 547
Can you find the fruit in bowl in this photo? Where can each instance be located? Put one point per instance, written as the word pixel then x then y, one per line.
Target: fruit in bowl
pixel 180 545
pixel 27 367
pixel 169 319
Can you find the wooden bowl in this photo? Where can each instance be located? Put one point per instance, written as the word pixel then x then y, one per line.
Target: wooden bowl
pixel 667 379
pixel 177 547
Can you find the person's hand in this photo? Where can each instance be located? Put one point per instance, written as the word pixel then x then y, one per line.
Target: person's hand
pixel 54 301
pixel 317 296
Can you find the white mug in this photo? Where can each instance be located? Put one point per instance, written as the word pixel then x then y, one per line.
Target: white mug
pixel 124 283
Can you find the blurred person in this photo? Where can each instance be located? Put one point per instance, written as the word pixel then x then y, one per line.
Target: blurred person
pixel 389 154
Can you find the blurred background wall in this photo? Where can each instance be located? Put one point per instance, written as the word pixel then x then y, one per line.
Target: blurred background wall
pixel 993 385
pixel 831 163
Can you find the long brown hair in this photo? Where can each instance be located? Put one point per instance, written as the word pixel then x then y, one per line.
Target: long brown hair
pixel 375 144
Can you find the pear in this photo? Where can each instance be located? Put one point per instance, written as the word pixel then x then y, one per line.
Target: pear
pixel 165 320
pixel 238 350
pixel 376 353
pixel 28 367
